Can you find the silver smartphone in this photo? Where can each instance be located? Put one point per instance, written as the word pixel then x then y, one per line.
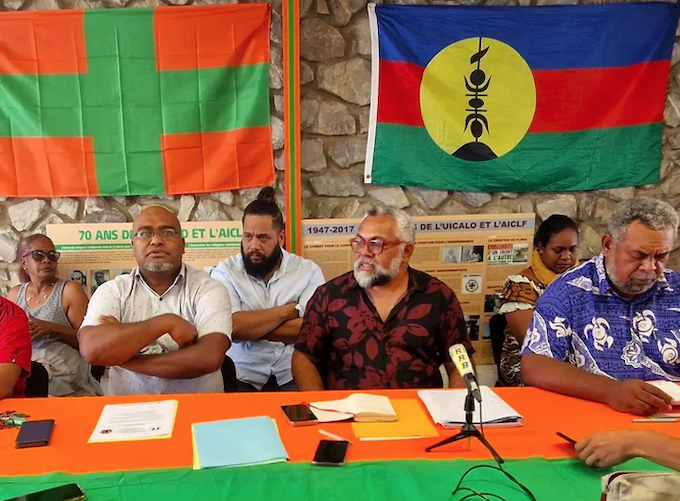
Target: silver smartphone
pixel 299 415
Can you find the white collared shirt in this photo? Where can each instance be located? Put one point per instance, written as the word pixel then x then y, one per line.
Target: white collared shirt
pixel 194 296
pixel 295 281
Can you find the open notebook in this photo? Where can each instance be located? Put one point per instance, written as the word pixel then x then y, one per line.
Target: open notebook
pixel 446 407
pixel 669 388
pixel 672 390
pixel 361 407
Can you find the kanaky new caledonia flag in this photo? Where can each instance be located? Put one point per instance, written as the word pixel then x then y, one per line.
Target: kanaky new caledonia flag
pixel 134 101
pixel 519 98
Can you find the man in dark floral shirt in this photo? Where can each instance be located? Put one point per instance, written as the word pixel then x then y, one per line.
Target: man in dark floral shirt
pixel 384 324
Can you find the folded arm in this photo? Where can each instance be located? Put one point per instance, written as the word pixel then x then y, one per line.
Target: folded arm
pixel 39 328
pixel 253 325
pixel 203 357
pixel 287 332
pixel 113 343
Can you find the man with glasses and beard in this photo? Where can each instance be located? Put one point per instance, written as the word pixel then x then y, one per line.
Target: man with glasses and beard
pixel 164 327
pixel 269 290
pixel 604 328
pixel 384 324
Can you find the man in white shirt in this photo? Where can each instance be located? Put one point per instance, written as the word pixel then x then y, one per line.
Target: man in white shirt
pixel 163 328
pixel 269 289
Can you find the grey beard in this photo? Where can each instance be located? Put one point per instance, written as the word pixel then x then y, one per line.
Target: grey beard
pixel 380 276
pixel 158 267
pixel 624 287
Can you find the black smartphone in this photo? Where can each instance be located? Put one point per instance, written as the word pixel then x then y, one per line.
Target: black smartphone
pixel 34 433
pixel 299 415
pixel 568 439
pixel 68 492
pixel 331 453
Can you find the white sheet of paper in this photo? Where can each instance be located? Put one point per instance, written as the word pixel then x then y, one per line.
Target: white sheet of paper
pixel 446 407
pixel 334 412
pixel 143 421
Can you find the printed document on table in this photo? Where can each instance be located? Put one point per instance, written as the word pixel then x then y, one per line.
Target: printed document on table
pixel 447 407
pixel 143 421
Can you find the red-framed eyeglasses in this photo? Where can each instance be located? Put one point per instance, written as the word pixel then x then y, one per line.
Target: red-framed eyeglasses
pixel 375 245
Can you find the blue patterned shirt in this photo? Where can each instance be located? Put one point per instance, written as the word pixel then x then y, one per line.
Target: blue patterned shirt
pixel 581 320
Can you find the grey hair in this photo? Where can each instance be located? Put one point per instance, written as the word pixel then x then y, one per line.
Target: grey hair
pixel 406 230
pixel 655 214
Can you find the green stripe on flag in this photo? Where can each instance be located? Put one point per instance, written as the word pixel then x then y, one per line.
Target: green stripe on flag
pixel 121 92
pixel 554 480
pixel 229 98
pixel 40 105
pixel 572 161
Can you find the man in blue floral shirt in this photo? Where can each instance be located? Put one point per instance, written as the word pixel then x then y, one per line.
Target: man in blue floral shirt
pixel 604 328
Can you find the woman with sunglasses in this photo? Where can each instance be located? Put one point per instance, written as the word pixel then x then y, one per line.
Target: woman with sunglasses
pixel 55 310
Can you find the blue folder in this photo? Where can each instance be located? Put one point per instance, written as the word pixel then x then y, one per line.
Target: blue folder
pixel 237 442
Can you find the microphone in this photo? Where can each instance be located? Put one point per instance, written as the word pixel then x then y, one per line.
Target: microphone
pixel 459 356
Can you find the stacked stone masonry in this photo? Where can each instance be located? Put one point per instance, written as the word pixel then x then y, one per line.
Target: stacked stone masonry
pixel 335 76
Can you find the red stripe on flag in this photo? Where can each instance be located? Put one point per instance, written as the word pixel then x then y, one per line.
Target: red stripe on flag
pixel 47 166
pixel 399 93
pixel 566 100
pixel 572 100
pixel 42 43
pixel 217 161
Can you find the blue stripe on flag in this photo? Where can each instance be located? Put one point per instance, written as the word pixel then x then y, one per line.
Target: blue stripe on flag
pixel 549 38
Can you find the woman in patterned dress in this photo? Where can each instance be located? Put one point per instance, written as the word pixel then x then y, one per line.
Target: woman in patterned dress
pixel 555 250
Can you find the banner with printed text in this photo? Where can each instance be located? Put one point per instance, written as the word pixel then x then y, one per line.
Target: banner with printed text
pixel 94 253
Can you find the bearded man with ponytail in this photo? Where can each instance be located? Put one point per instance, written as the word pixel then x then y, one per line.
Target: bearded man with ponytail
pixel 269 289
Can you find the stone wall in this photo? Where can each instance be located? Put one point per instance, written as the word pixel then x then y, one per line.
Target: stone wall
pixel 335 74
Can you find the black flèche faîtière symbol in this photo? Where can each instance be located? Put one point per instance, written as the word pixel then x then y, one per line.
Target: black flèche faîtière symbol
pixel 478 88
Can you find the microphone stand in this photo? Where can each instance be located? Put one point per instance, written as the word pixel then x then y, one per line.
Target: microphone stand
pixel 468 430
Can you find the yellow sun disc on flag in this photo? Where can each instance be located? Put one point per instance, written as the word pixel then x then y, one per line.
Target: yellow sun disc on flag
pixel 477 98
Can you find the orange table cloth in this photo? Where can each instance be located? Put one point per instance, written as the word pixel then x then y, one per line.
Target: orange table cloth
pixel 544 414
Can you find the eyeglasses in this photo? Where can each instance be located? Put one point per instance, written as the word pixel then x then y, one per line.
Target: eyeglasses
pixel 149 234
pixel 39 255
pixel 375 245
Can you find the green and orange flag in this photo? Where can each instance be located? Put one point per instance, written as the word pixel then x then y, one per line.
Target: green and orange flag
pixel 134 101
pixel 495 99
